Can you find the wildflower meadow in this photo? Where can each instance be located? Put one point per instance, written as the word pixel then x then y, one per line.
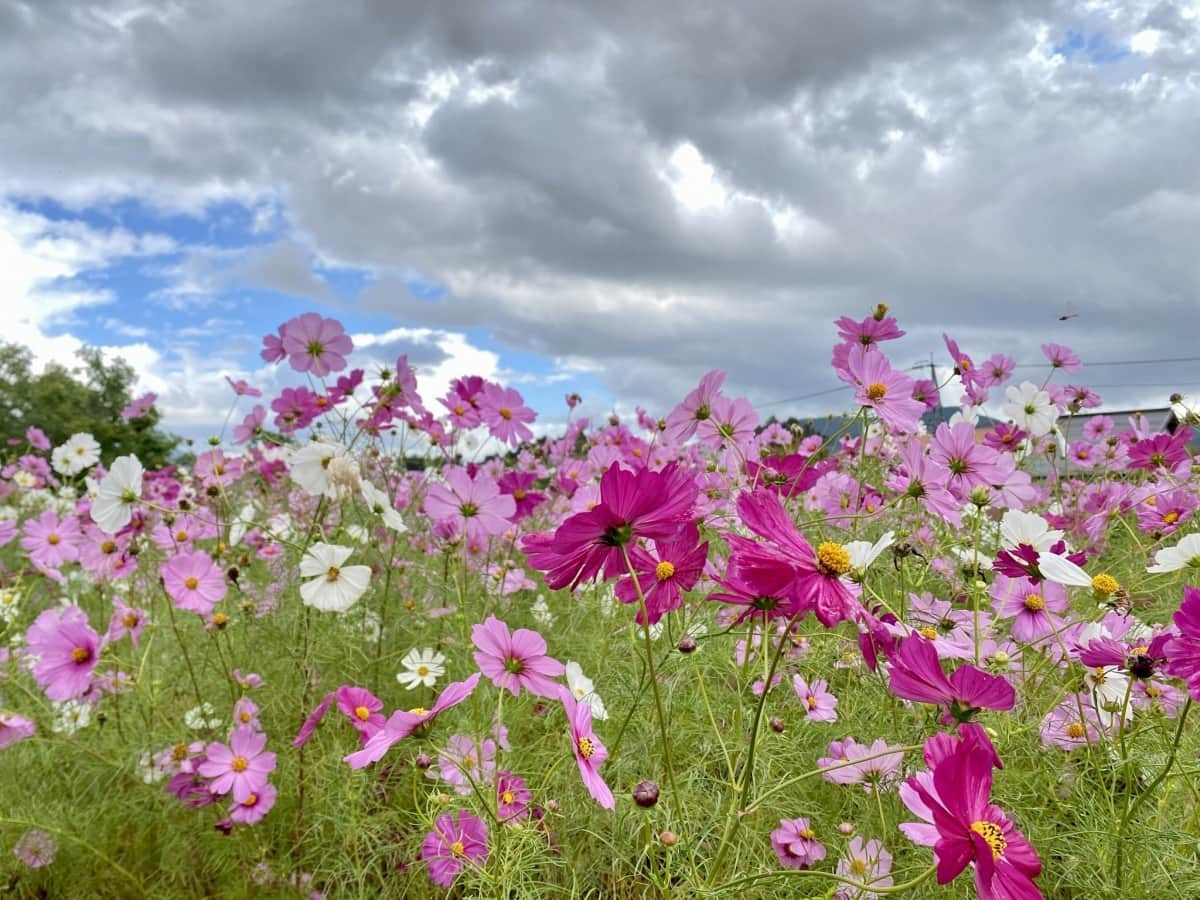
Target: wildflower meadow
pixel 370 643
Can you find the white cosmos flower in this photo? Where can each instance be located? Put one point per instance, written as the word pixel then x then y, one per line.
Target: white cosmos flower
pixel 1187 410
pixel 379 504
pixel 119 490
pixel 965 413
pixel 421 668
pixel 863 553
pixel 584 690
pixel 309 466
pixel 70 716
pixel 239 526
pixel 540 610
pixel 1017 527
pixel 198 718
pixel 79 452
pixel 1031 408
pixel 1110 685
pixel 332 587
pixel 1061 570
pixel 1172 559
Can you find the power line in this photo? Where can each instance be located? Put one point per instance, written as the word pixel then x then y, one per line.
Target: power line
pixel 1121 362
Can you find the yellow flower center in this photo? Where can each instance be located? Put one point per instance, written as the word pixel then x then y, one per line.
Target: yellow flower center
pixel 179 752
pixel 507 798
pixel 81 654
pixel 422 671
pixel 245 717
pixel 505 412
pixel 53 539
pixel 333 573
pixel 1171 517
pixel 418 711
pixel 191 582
pixel 1034 602
pixel 220 619
pixel 858 867
pixel 1076 730
pixel 664 570
pixel 586 747
pixel 362 713
pixel 108 547
pixel 808 834
pixel 129 620
pixel 1105 584
pixel 994 836
pixel 832 558
pixel 876 391
pixel 811 701
pixel 928 632
pixel 1139 651
pixel 251 800
pixel 457 848
pixel 519 494
pixel 239 764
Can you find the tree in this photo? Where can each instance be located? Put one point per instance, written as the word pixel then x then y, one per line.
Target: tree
pixel 88 397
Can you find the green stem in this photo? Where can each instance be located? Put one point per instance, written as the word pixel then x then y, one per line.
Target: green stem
pixel 816 873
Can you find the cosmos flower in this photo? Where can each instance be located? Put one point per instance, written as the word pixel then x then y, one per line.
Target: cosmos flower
pixel 590 754
pixel 455 842
pixel 332 586
pixel 796 845
pixel 515 660
pixel 67 650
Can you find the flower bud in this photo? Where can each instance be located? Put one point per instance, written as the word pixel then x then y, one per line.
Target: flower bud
pixel 687 644
pixel 777 725
pixel 846 828
pixel 423 761
pixel 668 838
pixel 645 794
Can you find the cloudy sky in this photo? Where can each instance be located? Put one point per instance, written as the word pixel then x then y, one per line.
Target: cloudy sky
pixel 606 197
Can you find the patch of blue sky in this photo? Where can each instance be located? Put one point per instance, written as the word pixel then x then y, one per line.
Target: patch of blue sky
pixel 1097 47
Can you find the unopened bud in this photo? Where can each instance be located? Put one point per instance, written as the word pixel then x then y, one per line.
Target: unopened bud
pixel 668 838
pixel 777 725
pixel 687 644
pixel 846 828
pixel 645 794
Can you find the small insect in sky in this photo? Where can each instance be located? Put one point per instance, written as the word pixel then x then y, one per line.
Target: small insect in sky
pixel 1069 313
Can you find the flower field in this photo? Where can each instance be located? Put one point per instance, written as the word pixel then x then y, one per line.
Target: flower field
pixel 373 643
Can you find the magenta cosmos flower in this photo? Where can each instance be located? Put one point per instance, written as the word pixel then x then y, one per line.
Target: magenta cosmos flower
pixel 315 344
pixel 675 567
pixel 965 827
pixel 504 412
pixel 194 581
pixel 1183 650
pixel 915 673
pixel 590 754
pixel 362 708
pixel 515 659
pixel 796 845
pixel 67 650
pixel 242 766
pixel 474 505
pixel 456 841
pixel 645 504
pixel 14 729
pixel 252 809
pixel 402 723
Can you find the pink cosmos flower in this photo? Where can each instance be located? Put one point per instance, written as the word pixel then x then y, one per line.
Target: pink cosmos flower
pixel 251 426
pixel 455 842
pixel 1061 357
pixel 251 809
pixel 969 464
pixel 868 863
pixel 512 797
pixel 519 486
pixel 965 827
pixel 51 542
pixel 140 407
pixel 67 650
pixel 883 389
pixel 241 766
pixel 314 719
pixel 513 660
pixel 1075 723
pixel 245 714
pixel 315 344
pixel 474 504
pixel 916 674
pixel 796 845
pixel 272 350
pixel 126 620
pixel 194 582
pixel 14 729
pixel 873 765
pixel 362 708
pixel 819 704
pixel 242 388
pixel 402 723
pixel 590 754
pixel 695 408
pixel 877 327
pixel 732 422
pixel 1034 608
pixel 676 567
pixel 466 761
pixel 645 504
pixel 504 412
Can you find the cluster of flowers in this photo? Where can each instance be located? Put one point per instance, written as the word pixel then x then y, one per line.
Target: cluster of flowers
pixel 696 510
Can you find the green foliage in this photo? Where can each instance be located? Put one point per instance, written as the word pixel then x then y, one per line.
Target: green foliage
pixel 86 398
